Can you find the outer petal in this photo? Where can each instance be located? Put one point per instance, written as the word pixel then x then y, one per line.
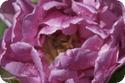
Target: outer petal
pixel 93 43
pixel 84 10
pixel 57 21
pixel 105 63
pixel 51 4
pixel 26 73
pixel 23 53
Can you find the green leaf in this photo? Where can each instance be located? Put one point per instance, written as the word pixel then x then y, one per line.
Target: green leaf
pixel 13 81
pixel 6 76
pixel 4 73
pixel 34 1
pixel 118 75
pixel 2 28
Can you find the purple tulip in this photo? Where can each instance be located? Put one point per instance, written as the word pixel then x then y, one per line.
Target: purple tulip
pixel 63 41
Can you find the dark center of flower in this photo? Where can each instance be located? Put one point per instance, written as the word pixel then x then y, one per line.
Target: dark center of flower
pixel 56 43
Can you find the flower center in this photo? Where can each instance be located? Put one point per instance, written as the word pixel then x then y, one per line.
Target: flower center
pixel 55 44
